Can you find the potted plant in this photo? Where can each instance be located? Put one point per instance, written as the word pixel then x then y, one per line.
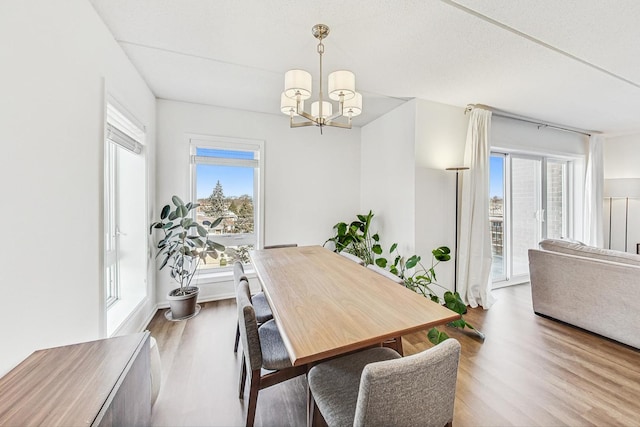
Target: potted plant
pixel 184 245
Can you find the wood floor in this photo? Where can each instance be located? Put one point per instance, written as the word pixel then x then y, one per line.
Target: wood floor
pixel 530 371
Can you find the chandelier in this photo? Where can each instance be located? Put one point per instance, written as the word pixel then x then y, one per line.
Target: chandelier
pixel 341 88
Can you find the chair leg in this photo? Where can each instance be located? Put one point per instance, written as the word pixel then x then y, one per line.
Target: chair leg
pixel 395 344
pixel 254 386
pixel 243 378
pixel 235 346
pixel 399 346
pixel 310 406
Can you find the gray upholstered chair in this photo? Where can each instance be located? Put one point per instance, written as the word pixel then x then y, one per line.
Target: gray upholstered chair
pixel 352 257
pixel 376 387
pixel 262 347
pixel 259 301
pixel 394 343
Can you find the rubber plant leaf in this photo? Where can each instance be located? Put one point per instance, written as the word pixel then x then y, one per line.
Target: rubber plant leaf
pixel 215 223
pixel 201 230
pixel 165 211
pixel 177 201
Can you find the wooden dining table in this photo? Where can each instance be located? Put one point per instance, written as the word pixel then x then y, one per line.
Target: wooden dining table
pixel 326 305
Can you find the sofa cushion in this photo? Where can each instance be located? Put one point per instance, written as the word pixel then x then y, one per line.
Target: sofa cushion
pixel 578 249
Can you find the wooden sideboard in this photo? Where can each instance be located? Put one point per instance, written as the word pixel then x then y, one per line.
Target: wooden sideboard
pixel 99 383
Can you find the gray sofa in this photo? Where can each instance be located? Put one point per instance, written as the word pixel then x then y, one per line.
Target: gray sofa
pixel 594 289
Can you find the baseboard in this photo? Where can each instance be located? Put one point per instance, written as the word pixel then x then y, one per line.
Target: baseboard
pixel 214 291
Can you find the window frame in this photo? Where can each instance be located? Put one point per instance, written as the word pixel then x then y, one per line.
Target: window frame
pixel 545 158
pixel 124 134
pixel 196 141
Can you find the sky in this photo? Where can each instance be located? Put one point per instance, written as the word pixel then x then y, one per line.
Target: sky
pixel 496 174
pixel 235 180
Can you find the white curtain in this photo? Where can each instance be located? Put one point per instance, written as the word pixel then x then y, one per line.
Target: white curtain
pixel 474 253
pixel 592 233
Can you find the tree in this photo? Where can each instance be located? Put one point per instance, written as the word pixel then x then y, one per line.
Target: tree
pixel 245 214
pixel 233 207
pixel 216 206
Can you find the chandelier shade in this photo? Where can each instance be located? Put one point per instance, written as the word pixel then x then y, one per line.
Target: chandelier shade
pixel 297 82
pixel 353 106
pixel 327 109
pixel 289 105
pixel 341 85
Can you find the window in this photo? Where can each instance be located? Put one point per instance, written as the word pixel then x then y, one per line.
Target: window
pixel 125 225
pixel 226 178
pixel 528 202
pixel 111 280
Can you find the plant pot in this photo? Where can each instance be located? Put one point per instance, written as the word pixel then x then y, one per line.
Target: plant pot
pixel 183 304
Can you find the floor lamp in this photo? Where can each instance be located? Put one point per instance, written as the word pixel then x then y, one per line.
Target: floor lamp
pixel 457 169
pixel 621 188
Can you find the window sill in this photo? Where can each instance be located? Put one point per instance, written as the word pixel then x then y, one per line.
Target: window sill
pixel 222 275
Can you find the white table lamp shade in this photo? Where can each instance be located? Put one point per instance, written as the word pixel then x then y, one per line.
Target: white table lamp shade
pixel 622 187
pixel 297 82
pixel 342 82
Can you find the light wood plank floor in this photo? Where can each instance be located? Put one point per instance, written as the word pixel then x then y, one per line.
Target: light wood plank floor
pixel 530 371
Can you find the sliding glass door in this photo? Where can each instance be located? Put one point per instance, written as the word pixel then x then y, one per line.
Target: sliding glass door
pixel 528 202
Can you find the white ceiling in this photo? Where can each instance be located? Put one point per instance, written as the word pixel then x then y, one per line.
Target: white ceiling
pixel 570 62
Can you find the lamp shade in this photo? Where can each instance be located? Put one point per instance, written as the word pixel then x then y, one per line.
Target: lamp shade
pixel 622 187
pixel 288 105
pixel 353 106
pixel 327 109
pixel 297 82
pixel 342 82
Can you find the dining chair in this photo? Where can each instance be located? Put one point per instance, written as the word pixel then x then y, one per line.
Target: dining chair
pixel 284 245
pixel 352 257
pixel 378 388
pixel 262 347
pixel 259 301
pixel 394 343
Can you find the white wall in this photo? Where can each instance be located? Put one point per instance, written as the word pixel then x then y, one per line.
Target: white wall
pixel 441 132
pixel 56 59
pixel 622 157
pixel 622 160
pixel 387 176
pixel 404 182
pixel 530 138
pixel 311 181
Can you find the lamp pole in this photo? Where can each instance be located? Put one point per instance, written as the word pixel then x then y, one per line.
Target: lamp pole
pixel 457 169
